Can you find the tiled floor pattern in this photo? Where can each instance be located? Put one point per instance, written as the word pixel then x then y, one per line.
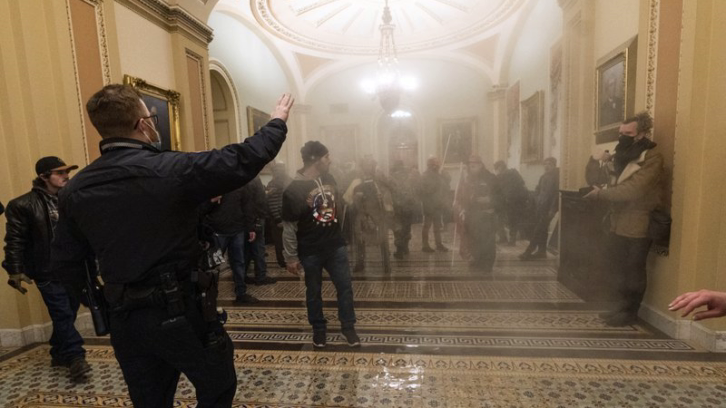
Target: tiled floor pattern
pixel 435 320
pixel 304 379
pixel 483 341
pixel 520 291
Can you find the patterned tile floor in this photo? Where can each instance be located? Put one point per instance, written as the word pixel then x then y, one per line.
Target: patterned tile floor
pixel 316 379
pixel 435 335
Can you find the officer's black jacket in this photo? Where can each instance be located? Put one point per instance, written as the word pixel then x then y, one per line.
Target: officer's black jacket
pixel 136 208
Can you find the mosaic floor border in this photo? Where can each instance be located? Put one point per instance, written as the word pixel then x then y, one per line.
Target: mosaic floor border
pixel 319 379
pixel 478 341
pixel 436 320
pixel 439 291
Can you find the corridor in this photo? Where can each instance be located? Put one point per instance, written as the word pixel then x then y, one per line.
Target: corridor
pixel 434 335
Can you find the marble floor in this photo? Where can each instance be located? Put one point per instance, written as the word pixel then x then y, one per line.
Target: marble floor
pixel 435 334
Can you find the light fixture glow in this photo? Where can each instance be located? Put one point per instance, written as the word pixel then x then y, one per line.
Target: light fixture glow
pixel 401 114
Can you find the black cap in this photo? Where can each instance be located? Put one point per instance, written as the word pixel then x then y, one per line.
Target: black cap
pixel 50 163
pixel 312 151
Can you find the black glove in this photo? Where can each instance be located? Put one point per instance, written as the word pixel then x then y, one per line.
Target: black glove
pixel 16 281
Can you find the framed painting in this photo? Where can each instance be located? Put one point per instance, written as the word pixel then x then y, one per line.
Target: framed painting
pixel 533 128
pixel 615 86
pixel 342 142
pixel 255 120
pixel 457 139
pixel 165 104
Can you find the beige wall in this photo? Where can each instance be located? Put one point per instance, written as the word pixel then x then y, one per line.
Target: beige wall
pixel 53 55
pixel 698 251
pixel 39 116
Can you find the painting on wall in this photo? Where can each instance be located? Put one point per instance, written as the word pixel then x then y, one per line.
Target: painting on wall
pixel 255 120
pixel 512 112
pixel 456 140
pixel 555 89
pixel 341 141
pixel 615 87
pixel 164 103
pixel 533 128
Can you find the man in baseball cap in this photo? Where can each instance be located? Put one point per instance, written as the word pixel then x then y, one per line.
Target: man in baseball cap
pixel 31 219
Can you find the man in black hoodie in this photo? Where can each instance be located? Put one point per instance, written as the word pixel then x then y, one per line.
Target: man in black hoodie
pixel 313 241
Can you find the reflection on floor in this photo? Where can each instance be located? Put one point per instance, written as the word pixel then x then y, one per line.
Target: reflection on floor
pixel 435 333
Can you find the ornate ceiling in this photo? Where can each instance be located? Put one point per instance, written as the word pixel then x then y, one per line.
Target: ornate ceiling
pixel 351 27
pixel 317 38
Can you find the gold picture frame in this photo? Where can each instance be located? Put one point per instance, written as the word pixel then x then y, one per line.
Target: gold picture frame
pixel 255 120
pixel 532 128
pixel 342 141
pixel 615 90
pixel 457 140
pixel 165 104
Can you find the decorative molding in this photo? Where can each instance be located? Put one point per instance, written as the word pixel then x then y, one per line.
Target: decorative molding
pixel 688 330
pixel 102 40
pixel 267 18
pixel 203 90
pixel 171 18
pixel 652 69
pixel 76 77
pixel 497 92
pixel 39 333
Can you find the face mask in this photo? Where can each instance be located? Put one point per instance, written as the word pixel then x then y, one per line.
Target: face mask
pixel 157 143
pixel 625 142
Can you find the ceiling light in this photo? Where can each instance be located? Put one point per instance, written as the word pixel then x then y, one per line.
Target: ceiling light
pixel 389 82
pixel 401 114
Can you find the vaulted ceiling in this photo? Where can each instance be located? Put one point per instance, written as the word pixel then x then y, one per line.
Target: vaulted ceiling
pixel 320 37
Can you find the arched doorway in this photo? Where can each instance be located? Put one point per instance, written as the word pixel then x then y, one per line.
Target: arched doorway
pixel 398 134
pixel 224 107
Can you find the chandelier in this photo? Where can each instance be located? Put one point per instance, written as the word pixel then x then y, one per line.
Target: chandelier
pixel 389 82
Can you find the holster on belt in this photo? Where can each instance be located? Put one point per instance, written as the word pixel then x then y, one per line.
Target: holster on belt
pixel 207 283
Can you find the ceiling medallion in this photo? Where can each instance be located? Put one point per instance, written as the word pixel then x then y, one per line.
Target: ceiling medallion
pixel 349 26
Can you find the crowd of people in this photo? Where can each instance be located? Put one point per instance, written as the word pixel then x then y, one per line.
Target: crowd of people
pixel 154 225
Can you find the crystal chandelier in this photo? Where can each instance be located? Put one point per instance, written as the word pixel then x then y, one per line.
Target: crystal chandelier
pixel 389 82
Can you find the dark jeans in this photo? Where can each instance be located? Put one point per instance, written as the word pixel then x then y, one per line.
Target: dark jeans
pixel 538 242
pixel 153 356
pixel 513 220
pixel 234 246
pixel 277 240
pixel 482 228
pixel 436 220
pixel 255 251
pixel 66 344
pixel 336 263
pixel 628 258
pixel 402 230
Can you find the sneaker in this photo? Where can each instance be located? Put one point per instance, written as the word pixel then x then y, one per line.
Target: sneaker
pixel 427 249
pixel 319 339
pixel 78 369
pixel 607 315
pixel 525 256
pixel 267 280
pixel 351 337
pixel 442 248
pixel 398 255
pixel 246 300
pixel 539 255
pixel 249 281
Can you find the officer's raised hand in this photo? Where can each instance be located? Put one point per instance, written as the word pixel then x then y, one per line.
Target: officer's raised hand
pixel 16 281
pixel 284 104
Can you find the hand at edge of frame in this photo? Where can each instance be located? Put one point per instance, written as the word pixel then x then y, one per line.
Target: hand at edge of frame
pixel 282 109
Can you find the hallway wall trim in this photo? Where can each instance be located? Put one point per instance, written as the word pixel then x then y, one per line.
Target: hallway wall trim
pixel 682 329
pixel 39 333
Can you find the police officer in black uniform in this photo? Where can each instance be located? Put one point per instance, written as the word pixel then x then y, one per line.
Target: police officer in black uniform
pixel 135 209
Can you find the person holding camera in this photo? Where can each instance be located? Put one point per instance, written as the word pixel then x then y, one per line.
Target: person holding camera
pixel 136 209
pixel 31 220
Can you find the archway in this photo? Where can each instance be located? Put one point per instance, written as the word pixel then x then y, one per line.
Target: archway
pixel 224 107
